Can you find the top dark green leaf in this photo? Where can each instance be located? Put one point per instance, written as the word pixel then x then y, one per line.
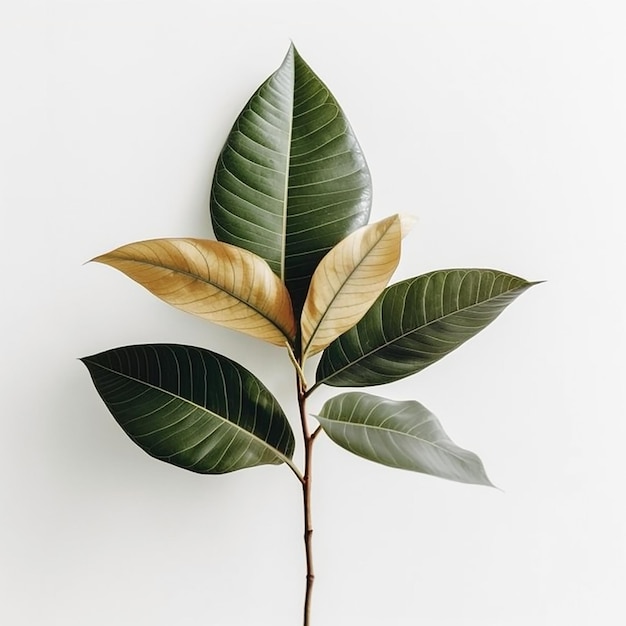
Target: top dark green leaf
pixel 291 181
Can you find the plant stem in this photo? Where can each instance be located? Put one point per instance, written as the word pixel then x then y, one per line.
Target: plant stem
pixel 306 493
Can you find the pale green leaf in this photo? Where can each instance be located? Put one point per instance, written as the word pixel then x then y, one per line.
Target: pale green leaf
pixel 402 434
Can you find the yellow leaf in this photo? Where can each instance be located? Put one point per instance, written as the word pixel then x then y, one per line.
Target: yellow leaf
pixel 348 280
pixel 213 280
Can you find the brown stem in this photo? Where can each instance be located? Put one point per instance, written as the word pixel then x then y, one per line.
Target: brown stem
pixel 306 493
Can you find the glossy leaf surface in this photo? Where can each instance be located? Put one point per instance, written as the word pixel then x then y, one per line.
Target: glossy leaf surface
pixel 191 407
pixel 213 280
pixel 347 282
pixel 416 322
pixel 402 434
pixel 291 181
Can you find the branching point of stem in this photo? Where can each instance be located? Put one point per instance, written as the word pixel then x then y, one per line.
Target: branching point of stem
pixel 316 432
pixel 308 392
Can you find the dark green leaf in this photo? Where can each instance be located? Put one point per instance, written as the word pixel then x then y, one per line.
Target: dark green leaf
pixel 415 323
pixel 291 181
pixel 401 434
pixel 191 407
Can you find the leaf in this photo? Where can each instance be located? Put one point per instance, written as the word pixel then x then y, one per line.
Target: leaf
pixel 192 408
pixel 347 282
pixel 402 434
pixel 416 322
pixel 218 282
pixel 291 181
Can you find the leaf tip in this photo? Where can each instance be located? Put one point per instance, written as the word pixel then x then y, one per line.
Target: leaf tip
pixel 292 51
pixel 407 222
pixel 486 482
pixel 97 259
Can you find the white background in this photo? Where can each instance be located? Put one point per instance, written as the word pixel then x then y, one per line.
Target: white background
pixel 502 126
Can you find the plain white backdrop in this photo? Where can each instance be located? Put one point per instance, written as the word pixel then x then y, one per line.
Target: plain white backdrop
pixel 501 125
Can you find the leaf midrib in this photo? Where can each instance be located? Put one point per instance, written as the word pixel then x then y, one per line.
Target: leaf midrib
pixel 283 249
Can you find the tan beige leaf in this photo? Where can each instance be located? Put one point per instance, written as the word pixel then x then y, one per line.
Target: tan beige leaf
pixel 348 280
pixel 213 280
